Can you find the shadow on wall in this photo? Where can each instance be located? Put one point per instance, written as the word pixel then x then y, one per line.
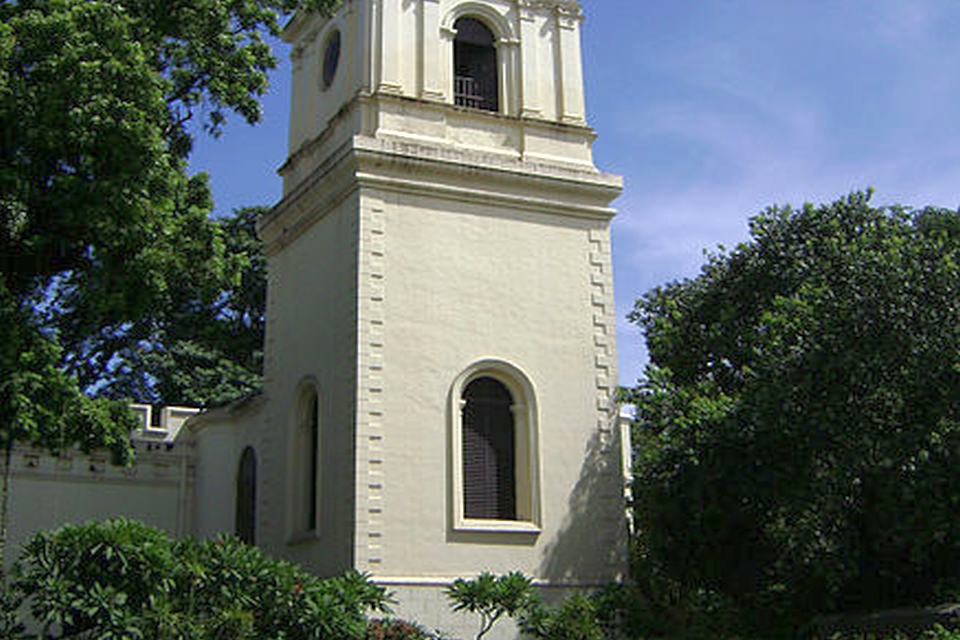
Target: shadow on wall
pixel 591 547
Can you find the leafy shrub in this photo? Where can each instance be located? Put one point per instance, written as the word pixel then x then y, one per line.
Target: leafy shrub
pixel 578 617
pixel 395 629
pixel 492 597
pixel 937 633
pixel 940 633
pixel 575 618
pixel 122 579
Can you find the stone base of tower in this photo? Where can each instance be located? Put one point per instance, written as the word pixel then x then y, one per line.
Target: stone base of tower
pixel 428 606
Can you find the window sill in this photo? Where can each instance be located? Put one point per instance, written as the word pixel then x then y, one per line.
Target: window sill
pixel 302 537
pixel 497 526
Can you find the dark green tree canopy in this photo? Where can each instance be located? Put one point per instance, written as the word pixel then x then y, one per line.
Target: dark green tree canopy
pixel 798 431
pixel 100 222
pixel 95 99
pixel 198 345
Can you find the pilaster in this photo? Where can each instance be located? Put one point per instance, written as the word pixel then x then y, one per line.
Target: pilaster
pixel 572 106
pixel 444 66
pixel 508 50
pixel 530 24
pixel 434 85
pixel 389 35
pixel 610 493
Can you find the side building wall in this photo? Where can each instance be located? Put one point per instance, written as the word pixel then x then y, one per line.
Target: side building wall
pixel 47 492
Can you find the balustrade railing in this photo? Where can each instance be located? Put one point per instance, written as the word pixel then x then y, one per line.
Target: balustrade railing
pixel 475 93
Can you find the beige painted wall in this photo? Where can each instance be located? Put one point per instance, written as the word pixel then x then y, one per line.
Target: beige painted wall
pixel 465 282
pixel 48 491
pixel 218 450
pixel 405 50
pixel 311 339
pixel 415 239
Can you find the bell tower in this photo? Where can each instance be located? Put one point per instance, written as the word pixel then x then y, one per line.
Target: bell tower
pixel 440 357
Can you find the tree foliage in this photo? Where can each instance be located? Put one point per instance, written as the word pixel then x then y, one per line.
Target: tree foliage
pixel 122 579
pixel 201 344
pixel 798 431
pixel 492 597
pixel 100 222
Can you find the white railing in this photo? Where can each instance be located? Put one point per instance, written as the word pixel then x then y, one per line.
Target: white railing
pixel 474 93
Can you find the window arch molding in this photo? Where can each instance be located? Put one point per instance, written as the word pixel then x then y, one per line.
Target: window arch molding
pixel 526 448
pixel 502 30
pixel 305 456
pixel 506 43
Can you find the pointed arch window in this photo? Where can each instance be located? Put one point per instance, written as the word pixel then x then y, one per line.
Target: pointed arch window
pixel 246 512
pixel 476 82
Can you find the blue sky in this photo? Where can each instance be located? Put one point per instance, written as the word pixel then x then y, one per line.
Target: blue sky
pixel 713 110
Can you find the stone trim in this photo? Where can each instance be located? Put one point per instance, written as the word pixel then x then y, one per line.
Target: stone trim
pixel 418 581
pixel 158 464
pixel 370 412
pixel 608 419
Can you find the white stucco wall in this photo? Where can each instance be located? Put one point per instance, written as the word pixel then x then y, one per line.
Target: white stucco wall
pixel 48 491
pixel 60 491
pixel 311 338
pixel 405 49
pixel 415 239
pixel 466 282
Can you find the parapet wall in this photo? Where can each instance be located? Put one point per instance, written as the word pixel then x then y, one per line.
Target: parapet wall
pixel 48 491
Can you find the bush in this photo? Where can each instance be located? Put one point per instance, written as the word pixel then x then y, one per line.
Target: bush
pixel 605 614
pixel 395 629
pixel 493 597
pixel 575 618
pixel 122 579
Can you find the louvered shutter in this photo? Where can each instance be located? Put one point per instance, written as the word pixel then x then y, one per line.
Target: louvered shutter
pixel 489 484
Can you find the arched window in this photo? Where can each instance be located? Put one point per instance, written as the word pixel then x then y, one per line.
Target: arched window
pixel 489 451
pixel 305 467
pixel 495 451
pixel 312 438
pixel 475 66
pixel 246 514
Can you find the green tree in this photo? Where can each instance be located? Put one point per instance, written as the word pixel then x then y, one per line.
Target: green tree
pixel 122 579
pixel 798 430
pixel 201 344
pixel 99 220
pixel 44 406
pixel 493 597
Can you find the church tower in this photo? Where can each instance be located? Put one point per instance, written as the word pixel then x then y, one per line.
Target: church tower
pixel 440 357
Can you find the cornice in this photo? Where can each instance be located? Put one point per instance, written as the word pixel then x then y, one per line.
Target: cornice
pixel 563 4
pixel 567 8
